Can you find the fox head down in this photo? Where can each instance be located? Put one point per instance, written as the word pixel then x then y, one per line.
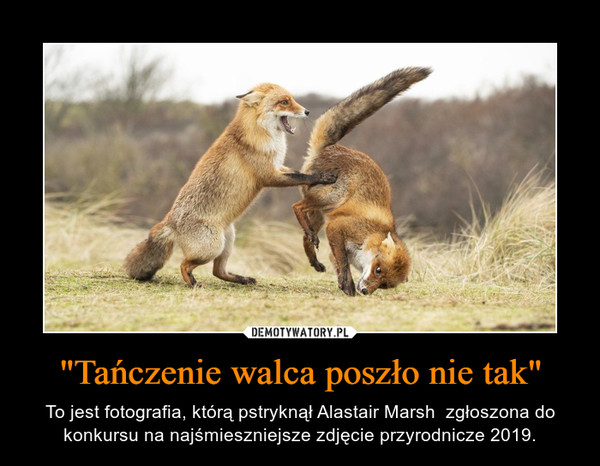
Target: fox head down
pixel 387 264
pixel 274 106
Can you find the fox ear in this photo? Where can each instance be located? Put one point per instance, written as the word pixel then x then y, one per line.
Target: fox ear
pixel 389 241
pixel 251 98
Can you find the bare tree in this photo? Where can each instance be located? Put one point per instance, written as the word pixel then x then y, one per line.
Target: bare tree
pixel 121 98
pixel 142 79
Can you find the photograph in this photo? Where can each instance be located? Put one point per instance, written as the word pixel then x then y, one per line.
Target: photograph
pixel 209 187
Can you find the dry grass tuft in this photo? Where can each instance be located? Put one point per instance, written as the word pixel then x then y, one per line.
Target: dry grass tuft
pixel 275 247
pixel 516 245
pixel 84 233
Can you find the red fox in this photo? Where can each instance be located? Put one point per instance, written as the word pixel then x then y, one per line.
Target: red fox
pixel 357 209
pixel 247 157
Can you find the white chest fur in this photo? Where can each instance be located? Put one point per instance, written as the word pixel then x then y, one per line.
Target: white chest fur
pixel 279 146
pixel 277 143
pixel 358 257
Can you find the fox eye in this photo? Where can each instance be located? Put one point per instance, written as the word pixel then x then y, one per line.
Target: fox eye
pixel 378 270
pixel 285 102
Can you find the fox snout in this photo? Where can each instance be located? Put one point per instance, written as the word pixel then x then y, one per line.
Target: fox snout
pixel 367 285
pixel 365 289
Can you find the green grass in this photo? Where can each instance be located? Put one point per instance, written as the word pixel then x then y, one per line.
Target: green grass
pixel 497 275
pixel 109 301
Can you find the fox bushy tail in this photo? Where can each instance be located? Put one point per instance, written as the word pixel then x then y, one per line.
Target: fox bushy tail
pixel 340 119
pixel 150 255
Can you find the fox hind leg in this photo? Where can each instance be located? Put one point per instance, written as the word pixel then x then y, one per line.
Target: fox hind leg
pixel 302 210
pixel 187 266
pixel 316 221
pixel 220 262
pixel 319 198
pixel 311 219
pixel 199 247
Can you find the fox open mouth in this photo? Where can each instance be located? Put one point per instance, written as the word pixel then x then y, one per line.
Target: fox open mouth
pixel 286 125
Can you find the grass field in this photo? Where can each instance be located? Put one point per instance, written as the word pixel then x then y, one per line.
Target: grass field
pixel 498 274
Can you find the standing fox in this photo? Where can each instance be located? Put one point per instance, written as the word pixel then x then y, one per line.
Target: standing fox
pixel 360 225
pixel 247 157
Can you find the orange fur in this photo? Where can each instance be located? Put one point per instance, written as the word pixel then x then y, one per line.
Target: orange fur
pixel 357 211
pixel 247 157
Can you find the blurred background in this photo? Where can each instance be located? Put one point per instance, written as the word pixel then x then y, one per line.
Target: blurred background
pixel 129 121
